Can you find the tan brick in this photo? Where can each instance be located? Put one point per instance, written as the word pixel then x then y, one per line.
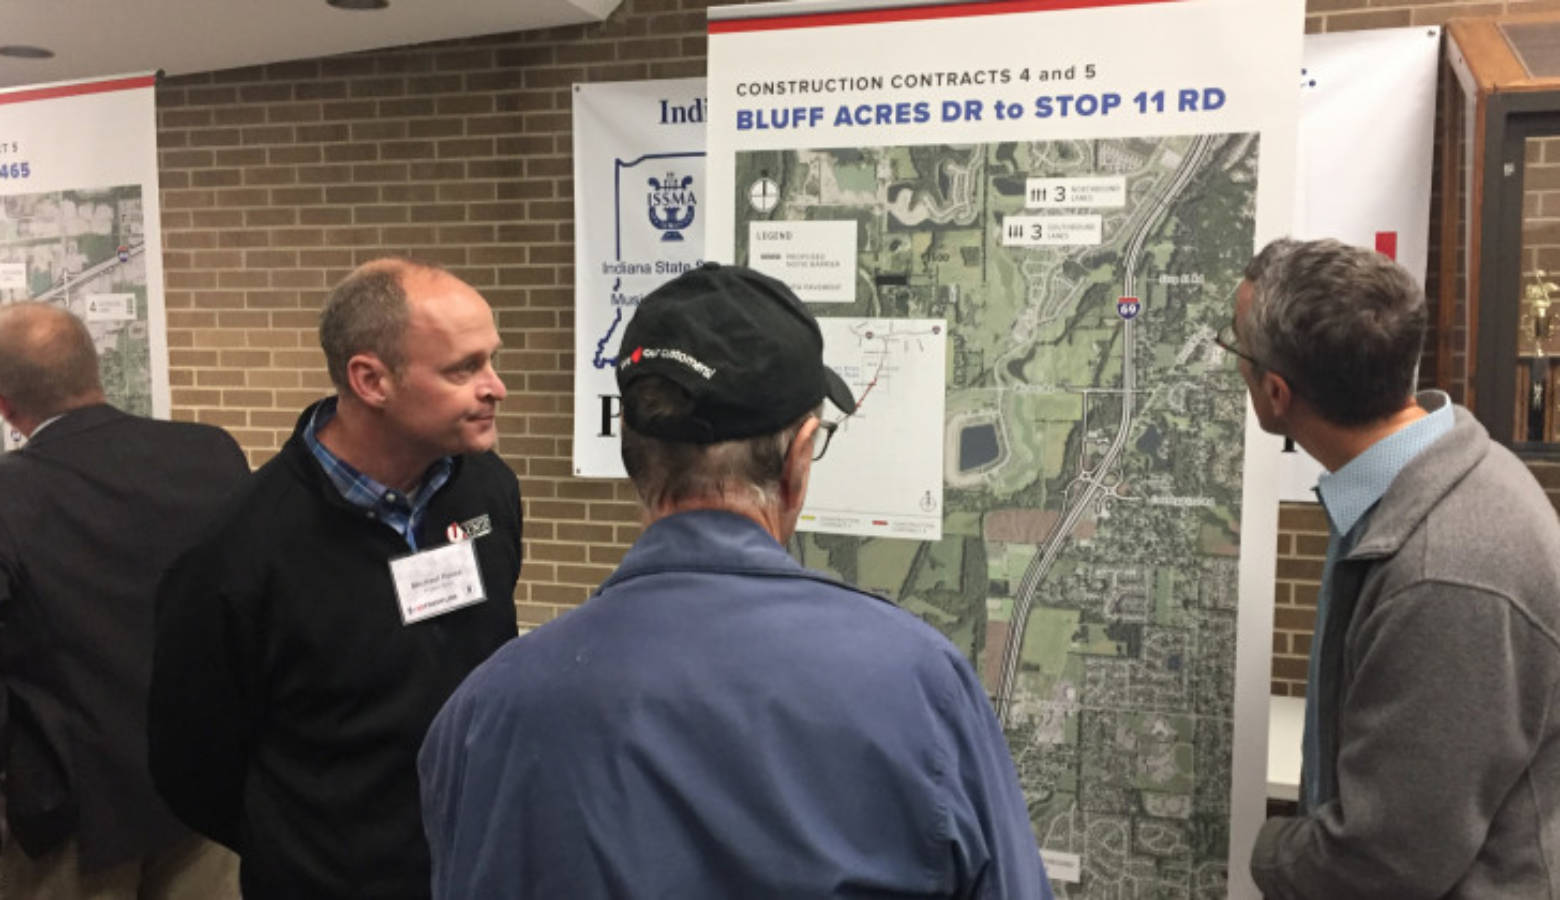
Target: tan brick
pixel 1291 619
pixel 534 614
pixel 544 550
pixel 560 594
pixel 1289 667
pixel 324 174
pixel 436 128
pixel 1303 517
pixel 232 318
pixel 271 378
pixel 273 338
pixel 325 215
pixel 268 134
pixel 405 108
pixel 1310 545
pixel 215 137
pixel 269 217
pixel 194 397
pixel 552 509
pixel 226 418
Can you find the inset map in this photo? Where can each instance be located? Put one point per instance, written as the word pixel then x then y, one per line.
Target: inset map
pixel 1093 437
pixel 85 250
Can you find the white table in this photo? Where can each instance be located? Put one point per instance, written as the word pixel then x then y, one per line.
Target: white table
pixel 1286 729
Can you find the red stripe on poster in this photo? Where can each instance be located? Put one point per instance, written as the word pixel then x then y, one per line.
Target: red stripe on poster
pixel 74 90
pixel 912 13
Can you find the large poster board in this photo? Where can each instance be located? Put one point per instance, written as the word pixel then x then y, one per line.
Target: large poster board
pixel 1073 188
pixel 638 222
pixel 80 224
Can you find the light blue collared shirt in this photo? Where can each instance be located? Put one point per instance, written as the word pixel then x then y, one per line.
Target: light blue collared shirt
pixel 1348 495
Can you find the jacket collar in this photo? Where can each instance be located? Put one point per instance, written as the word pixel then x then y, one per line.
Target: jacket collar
pixel 1422 484
pixel 705 540
pixel 295 453
pixel 73 423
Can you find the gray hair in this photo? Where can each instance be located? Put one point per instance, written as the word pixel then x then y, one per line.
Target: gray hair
pixel 367 313
pixel 671 472
pixel 1345 325
pixel 48 363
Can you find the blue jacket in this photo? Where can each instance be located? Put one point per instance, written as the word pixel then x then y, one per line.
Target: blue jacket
pixel 718 721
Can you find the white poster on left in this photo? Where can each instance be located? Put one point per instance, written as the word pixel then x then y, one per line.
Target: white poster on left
pixel 80 224
pixel 638 183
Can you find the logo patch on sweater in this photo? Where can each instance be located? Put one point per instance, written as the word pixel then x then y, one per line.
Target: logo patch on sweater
pixel 477 527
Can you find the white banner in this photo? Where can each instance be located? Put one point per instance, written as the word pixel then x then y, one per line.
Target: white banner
pixel 638 222
pixel 1074 188
pixel 80 224
pixel 1373 193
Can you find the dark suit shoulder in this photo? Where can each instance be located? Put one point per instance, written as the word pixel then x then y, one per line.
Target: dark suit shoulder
pixel 182 433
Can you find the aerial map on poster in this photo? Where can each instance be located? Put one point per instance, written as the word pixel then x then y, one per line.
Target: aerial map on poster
pixel 1076 214
pixel 79 228
pixel 85 250
pixel 1092 496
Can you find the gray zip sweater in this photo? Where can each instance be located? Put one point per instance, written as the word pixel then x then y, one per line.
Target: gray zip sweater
pixel 1439 696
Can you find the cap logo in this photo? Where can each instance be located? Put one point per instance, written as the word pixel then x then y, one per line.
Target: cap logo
pixel 676 356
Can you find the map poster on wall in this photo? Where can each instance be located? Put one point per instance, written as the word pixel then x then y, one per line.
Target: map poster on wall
pixel 79 224
pixel 638 222
pixel 1073 188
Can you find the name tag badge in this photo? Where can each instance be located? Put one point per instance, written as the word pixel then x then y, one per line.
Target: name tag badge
pixel 434 582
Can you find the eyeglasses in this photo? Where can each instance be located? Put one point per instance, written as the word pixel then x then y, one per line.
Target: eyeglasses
pixel 1227 339
pixel 827 429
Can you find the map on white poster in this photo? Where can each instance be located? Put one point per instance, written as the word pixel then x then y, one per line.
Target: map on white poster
pixel 882 475
pixel 85 251
pixel 1079 220
pixel 80 228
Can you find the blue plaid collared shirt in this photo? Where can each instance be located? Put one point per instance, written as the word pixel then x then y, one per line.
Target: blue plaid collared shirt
pixel 402 512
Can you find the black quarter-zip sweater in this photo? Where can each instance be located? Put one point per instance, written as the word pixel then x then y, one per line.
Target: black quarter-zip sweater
pixel 288 700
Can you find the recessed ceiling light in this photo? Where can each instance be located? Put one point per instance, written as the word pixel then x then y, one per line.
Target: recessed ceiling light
pixel 23 51
pixel 359 4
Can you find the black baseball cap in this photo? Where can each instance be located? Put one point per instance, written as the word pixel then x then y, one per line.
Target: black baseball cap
pixel 740 343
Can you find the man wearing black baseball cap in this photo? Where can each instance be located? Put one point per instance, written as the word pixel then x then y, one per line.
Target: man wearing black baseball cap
pixel 718 721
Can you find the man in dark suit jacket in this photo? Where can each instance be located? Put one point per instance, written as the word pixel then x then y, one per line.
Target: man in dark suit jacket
pixel 92 510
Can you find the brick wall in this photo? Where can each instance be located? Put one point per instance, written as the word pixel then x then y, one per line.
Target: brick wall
pixel 277 180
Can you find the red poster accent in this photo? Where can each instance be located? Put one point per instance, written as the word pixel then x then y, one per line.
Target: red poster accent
pixel 913 13
pixel 73 90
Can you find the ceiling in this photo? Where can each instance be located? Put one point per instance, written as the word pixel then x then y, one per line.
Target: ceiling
pixel 92 38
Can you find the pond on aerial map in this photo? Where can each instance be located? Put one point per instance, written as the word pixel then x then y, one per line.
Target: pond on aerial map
pixel 977 447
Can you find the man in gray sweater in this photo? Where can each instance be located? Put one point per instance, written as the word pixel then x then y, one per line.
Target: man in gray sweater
pixel 1432 740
